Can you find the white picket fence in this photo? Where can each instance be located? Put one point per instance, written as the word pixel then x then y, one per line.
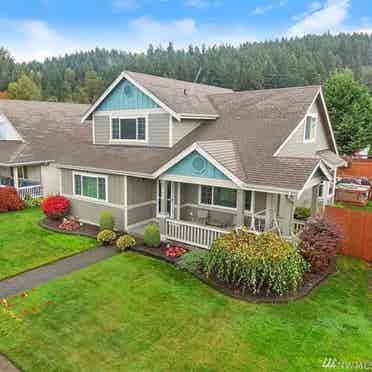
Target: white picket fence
pixel 192 234
pixel 35 191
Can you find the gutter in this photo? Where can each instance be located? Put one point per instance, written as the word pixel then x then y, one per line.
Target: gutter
pixel 21 164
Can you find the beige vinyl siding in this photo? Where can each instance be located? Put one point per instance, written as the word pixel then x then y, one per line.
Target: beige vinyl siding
pixel 157 127
pixel 115 187
pixel 34 173
pixel 102 130
pixel 296 146
pixel 141 200
pixel 5 172
pixel 91 212
pixel 183 128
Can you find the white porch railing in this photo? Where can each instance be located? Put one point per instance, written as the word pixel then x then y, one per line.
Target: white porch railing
pixel 297 226
pixel 35 191
pixel 193 234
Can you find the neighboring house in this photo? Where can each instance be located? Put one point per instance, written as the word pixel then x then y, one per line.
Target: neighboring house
pixel 197 159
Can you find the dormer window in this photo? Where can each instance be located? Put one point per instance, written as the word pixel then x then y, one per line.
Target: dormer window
pixel 310 128
pixel 129 129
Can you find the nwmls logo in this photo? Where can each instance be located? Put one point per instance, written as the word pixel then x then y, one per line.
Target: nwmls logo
pixel 329 363
pixel 333 363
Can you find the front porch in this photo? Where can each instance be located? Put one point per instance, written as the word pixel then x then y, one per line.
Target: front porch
pixel 26 180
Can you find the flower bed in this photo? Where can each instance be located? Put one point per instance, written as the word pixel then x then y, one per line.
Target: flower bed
pixel 85 230
pixel 165 252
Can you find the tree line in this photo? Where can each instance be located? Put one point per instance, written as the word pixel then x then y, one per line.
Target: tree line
pixel 82 76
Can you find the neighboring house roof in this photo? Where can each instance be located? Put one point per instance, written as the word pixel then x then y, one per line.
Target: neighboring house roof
pixel 180 98
pixel 329 157
pixel 250 127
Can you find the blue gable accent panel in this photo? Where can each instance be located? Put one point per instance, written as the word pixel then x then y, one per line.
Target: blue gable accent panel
pixel 194 165
pixel 126 96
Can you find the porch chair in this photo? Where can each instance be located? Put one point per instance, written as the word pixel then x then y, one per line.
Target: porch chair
pixel 202 216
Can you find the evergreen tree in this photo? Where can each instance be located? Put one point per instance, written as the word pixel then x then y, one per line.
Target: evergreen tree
pixel 24 88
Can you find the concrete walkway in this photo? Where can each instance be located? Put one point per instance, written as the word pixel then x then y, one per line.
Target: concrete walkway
pixel 33 278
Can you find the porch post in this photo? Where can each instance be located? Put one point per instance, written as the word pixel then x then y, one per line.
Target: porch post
pixel 240 204
pixel 15 178
pixel 314 200
pixel 253 209
pixel 163 210
pixel 268 214
pixel 178 200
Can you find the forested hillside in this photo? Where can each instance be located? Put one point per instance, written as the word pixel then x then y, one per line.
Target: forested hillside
pixel 81 77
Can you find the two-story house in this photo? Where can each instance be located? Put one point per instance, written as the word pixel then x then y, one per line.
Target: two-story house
pixel 197 159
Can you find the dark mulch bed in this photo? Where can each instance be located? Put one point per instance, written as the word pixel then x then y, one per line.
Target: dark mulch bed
pixel 159 253
pixel 311 281
pixel 85 230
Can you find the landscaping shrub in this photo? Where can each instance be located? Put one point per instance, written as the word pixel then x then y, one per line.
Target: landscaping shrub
pixel 70 225
pixel 106 221
pixel 193 261
pixel 31 202
pixel 106 237
pixel 319 243
pixel 10 200
pixel 175 252
pixel 302 213
pixel 125 242
pixel 56 207
pixel 256 262
pixel 152 235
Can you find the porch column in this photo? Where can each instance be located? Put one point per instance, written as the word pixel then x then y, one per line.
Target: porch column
pixel 15 178
pixel 240 203
pixel 269 211
pixel 314 200
pixel 163 198
pixel 178 214
pixel 163 209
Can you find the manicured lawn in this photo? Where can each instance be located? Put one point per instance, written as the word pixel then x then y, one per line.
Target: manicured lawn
pixel 133 313
pixel 24 245
pixel 367 208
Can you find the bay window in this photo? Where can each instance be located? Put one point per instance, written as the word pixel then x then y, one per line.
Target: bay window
pixel 129 129
pixel 90 186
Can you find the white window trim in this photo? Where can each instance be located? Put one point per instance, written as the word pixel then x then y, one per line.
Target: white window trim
pixel 93 175
pixel 137 116
pixel 313 139
pixel 215 205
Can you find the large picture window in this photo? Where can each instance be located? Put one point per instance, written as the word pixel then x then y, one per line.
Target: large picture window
pixel 218 196
pixel 129 129
pixel 90 186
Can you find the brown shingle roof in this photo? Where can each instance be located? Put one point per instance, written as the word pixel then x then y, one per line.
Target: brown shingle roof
pixel 253 125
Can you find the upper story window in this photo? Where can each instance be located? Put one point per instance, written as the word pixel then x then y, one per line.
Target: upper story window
pixel 90 186
pixel 310 128
pixel 129 129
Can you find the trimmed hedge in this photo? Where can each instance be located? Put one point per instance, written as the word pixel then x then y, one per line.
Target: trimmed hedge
pixel 125 242
pixel 151 235
pixel 10 200
pixel 106 221
pixel 106 237
pixel 260 264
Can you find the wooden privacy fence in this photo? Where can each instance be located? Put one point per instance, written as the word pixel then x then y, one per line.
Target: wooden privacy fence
pixel 356 228
pixel 359 168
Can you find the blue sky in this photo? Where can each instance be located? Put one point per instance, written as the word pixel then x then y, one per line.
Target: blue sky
pixel 35 29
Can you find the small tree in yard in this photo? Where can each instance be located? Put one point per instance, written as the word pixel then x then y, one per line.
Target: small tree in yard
pixel 319 244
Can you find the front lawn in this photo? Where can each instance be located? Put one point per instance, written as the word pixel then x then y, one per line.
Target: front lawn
pixel 25 245
pixel 367 208
pixel 133 313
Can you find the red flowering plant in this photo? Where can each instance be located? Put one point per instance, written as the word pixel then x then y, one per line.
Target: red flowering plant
pixel 70 225
pixel 175 252
pixel 10 200
pixel 56 207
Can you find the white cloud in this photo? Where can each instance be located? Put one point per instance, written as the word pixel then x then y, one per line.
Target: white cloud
pixel 260 10
pixel 203 4
pixel 34 39
pixel 327 17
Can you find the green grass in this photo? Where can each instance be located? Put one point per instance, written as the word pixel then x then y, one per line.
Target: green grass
pixel 25 245
pixel 367 208
pixel 133 313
